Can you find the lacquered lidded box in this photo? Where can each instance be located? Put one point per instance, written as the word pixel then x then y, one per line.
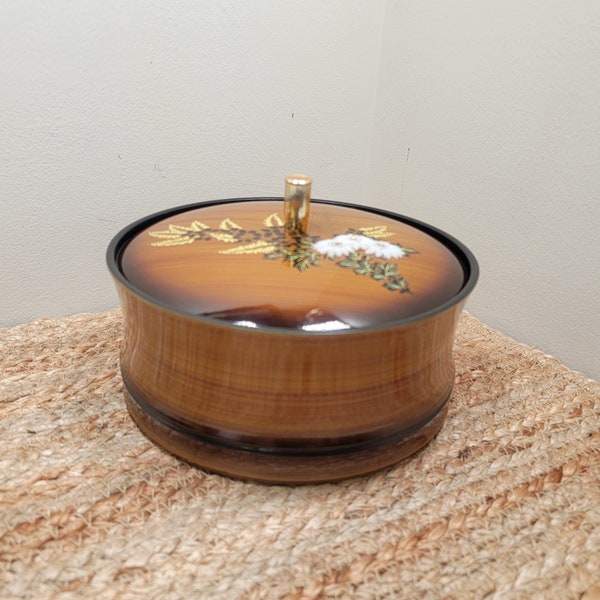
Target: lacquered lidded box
pixel 287 339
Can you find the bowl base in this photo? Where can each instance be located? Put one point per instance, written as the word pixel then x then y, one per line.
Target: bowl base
pixel 267 467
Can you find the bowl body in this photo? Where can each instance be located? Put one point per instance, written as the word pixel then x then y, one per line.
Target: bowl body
pixel 283 405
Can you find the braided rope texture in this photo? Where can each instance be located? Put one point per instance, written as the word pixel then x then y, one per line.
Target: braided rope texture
pixel 503 503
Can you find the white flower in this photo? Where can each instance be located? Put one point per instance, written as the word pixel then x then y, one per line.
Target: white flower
pixel 343 245
pixel 355 242
pixel 333 248
pixel 348 243
pixel 386 250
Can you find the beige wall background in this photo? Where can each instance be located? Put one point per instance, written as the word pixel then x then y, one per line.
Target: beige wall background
pixel 478 117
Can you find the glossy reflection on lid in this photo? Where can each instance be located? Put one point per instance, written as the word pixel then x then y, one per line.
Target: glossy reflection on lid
pixel 235 261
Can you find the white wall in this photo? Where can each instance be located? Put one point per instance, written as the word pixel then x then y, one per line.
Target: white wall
pixel 488 125
pixel 112 110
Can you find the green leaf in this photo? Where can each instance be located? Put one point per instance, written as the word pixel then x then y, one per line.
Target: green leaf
pixel 275 255
pixel 348 264
pixel 390 270
pixel 397 285
pixel 306 243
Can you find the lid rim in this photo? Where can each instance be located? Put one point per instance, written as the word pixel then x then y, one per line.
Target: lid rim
pixel 465 257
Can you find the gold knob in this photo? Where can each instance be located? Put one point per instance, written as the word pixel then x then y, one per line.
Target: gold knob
pixel 296 203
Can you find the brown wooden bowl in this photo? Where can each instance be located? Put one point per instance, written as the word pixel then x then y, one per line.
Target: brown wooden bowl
pixel 283 355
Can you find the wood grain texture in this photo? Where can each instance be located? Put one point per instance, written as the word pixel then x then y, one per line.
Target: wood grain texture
pixel 258 390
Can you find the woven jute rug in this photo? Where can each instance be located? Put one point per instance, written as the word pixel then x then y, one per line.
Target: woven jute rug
pixel 504 503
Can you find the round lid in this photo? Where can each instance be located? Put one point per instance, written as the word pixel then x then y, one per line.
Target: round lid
pixel 264 262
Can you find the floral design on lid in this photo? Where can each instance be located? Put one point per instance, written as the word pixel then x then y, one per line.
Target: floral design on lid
pixel 355 249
